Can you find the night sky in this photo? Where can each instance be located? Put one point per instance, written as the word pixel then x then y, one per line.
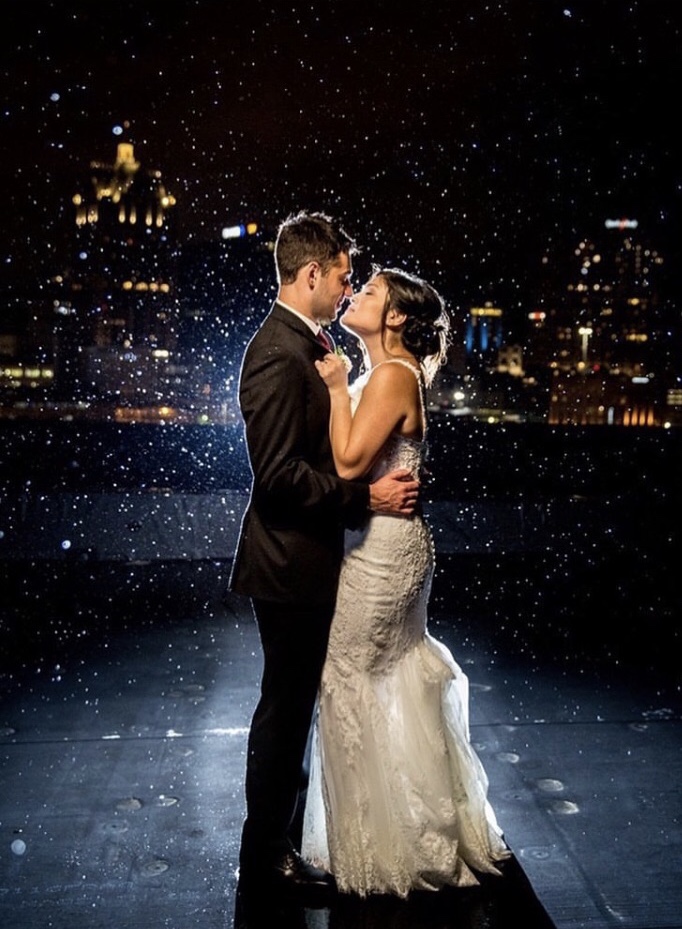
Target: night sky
pixel 463 140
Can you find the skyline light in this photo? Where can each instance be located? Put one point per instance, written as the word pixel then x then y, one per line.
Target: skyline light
pixel 463 141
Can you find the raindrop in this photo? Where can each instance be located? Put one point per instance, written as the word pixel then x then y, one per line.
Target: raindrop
pixel 115 828
pixel 550 784
pixel 662 713
pixel 129 803
pixel 509 757
pixel 536 852
pixel 18 846
pixel 565 807
pixel 186 690
pixel 156 866
pixel 162 800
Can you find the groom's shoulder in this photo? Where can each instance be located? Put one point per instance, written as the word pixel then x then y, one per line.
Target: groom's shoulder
pixel 276 342
pixel 280 326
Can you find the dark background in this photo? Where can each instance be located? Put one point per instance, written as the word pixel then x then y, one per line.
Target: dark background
pixel 465 140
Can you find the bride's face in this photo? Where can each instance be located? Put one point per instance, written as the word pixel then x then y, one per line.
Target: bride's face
pixel 365 313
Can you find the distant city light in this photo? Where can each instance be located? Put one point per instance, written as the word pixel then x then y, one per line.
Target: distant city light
pixel 487 310
pixel 238 232
pixel 621 224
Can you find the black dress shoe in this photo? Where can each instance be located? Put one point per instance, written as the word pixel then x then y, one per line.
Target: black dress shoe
pixel 291 870
pixel 258 910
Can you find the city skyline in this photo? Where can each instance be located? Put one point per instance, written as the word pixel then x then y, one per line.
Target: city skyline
pixel 464 144
pixel 136 329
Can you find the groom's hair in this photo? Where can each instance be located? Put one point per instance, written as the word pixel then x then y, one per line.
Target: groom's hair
pixel 304 237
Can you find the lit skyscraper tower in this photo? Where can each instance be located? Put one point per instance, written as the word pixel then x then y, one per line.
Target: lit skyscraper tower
pixel 613 301
pixel 608 363
pixel 115 325
pixel 484 335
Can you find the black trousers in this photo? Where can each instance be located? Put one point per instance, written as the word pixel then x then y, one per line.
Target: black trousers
pixel 294 640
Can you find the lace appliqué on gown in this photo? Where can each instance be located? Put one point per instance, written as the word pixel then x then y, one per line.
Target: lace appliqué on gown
pixel 397 799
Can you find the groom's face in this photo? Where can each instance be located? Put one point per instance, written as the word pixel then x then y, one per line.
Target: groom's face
pixel 332 289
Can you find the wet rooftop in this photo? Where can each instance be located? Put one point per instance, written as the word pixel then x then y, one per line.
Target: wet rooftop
pixel 122 739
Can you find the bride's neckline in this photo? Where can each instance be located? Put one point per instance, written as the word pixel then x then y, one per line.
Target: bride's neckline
pixel 402 361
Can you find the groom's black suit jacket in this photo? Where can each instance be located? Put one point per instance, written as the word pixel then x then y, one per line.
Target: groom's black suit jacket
pixel 291 539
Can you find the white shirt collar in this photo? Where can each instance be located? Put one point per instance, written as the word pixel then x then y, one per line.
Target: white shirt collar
pixel 310 323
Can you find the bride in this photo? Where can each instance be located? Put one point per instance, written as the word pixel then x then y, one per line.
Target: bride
pixel 397 799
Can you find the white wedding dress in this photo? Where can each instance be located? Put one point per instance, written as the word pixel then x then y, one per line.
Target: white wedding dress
pixel 397 799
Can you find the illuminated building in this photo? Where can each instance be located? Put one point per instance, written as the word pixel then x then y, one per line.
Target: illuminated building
pixel 604 339
pixel 115 322
pixel 484 335
pixel 139 326
pixel 612 302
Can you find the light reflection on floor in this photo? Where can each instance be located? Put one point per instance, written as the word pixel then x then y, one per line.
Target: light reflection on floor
pixel 122 758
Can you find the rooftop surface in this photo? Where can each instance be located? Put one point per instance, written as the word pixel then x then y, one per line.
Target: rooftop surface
pixel 127 692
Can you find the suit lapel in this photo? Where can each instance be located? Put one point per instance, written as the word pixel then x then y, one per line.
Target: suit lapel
pixel 283 315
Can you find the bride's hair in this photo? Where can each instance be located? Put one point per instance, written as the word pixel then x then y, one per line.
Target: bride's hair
pixel 426 332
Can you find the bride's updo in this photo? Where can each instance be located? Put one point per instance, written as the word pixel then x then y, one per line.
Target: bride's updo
pixel 426 331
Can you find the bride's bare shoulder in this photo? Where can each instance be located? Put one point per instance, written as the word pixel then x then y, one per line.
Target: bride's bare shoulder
pixel 394 372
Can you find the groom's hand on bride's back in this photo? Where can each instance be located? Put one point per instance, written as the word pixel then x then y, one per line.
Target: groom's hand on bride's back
pixel 396 492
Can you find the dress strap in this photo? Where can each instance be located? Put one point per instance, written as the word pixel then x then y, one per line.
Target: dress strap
pixel 401 361
pixel 420 381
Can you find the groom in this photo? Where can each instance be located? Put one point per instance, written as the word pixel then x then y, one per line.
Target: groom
pixel 291 540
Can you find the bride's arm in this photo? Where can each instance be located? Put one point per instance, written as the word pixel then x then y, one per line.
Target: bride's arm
pixel 357 439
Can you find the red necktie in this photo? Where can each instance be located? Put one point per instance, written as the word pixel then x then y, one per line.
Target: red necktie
pixel 324 339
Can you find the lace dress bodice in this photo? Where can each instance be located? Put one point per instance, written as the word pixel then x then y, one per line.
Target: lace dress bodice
pixel 391 557
pixel 397 796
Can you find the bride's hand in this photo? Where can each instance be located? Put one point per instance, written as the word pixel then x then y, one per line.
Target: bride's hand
pixel 333 371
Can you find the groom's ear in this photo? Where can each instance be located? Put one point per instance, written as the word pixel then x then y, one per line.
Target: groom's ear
pixel 312 273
